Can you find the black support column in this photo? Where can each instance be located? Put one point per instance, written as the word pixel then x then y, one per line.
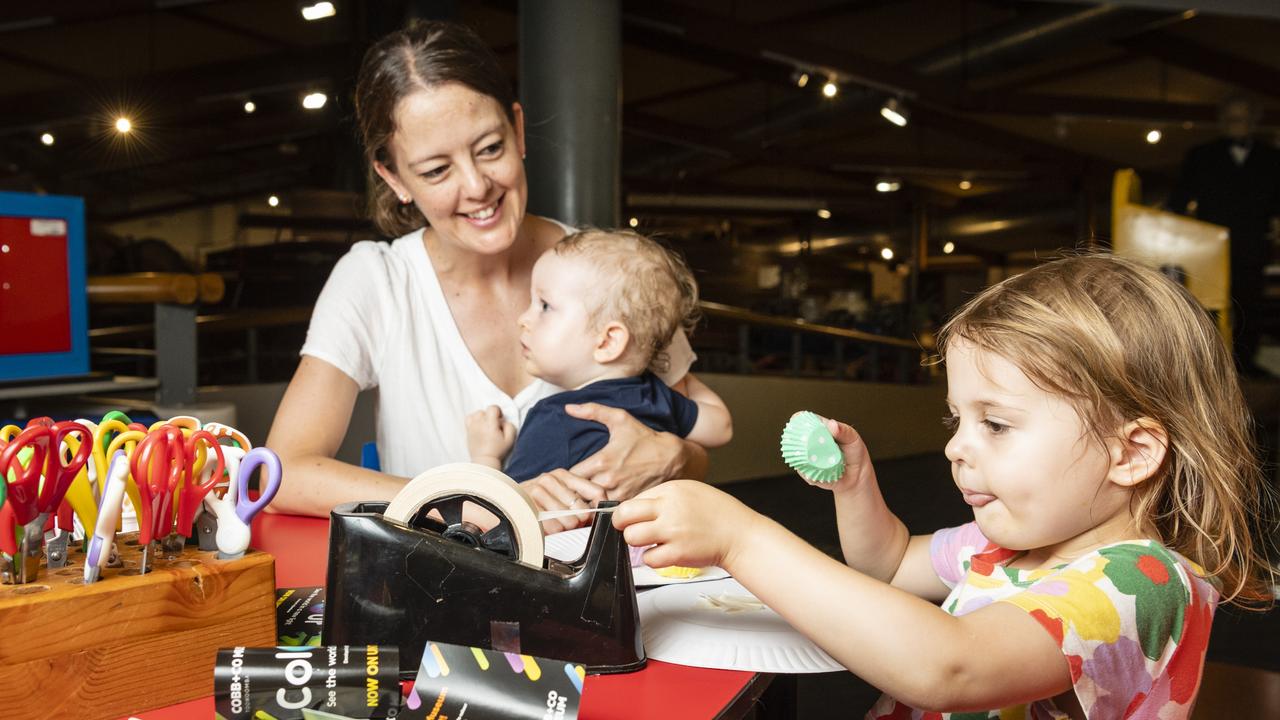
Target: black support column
pixel 570 88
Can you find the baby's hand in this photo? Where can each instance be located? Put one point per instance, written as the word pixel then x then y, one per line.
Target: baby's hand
pixel 857 462
pixel 489 435
pixel 689 523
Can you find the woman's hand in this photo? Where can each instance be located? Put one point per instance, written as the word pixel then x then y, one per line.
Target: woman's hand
pixel 637 457
pixel 689 522
pixel 562 490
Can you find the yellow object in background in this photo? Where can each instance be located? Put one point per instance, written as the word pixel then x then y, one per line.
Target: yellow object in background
pixel 1162 239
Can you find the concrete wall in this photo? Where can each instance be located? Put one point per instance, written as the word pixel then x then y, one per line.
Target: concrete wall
pixel 894 420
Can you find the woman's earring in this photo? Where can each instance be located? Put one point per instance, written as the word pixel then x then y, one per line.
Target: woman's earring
pixel 404 199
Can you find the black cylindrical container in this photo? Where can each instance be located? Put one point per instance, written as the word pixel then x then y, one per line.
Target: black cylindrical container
pixel 351 681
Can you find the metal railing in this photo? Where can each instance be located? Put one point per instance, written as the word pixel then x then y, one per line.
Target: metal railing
pixel 732 340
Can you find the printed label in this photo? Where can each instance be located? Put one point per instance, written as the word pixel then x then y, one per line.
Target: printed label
pixel 306 682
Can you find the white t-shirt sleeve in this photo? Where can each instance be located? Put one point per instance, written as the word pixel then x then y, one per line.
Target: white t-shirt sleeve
pixel 348 324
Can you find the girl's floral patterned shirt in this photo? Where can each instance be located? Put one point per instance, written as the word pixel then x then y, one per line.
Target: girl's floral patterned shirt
pixel 1132 619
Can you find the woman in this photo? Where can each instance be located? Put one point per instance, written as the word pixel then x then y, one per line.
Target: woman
pixel 431 318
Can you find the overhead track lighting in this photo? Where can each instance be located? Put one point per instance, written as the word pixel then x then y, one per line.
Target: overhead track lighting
pixel 46 138
pixel 317 10
pixel 886 253
pixel 1154 136
pixel 948 247
pixel 273 201
pixel 314 101
pixel 800 78
pixel 824 213
pixel 888 185
pixel 123 125
pixel 895 112
pixel 965 184
pixel 830 88
pixel 249 107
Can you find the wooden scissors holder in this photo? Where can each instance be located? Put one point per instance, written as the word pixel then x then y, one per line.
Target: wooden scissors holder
pixel 129 642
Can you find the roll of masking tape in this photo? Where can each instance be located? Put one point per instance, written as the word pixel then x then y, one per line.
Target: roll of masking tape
pixel 481 483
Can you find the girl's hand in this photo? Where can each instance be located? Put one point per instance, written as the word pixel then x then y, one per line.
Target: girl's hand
pixel 637 457
pixel 562 490
pixel 689 523
pixel 857 462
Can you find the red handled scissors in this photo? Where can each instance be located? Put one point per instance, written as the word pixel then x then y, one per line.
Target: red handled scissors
pixel 37 487
pixel 164 464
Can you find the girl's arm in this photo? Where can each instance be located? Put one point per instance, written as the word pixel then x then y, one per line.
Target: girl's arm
pixel 873 540
pixel 900 643
pixel 714 426
pixel 307 431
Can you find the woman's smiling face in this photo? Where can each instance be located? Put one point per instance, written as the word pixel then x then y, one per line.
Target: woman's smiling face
pixel 460 160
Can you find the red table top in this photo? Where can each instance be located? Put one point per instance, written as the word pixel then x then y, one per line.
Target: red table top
pixel 301 548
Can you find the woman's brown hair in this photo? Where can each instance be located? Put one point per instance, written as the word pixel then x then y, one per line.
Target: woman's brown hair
pixel 423 55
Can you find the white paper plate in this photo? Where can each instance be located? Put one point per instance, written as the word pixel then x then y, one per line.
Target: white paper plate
pixel 569 545
pixel 678 628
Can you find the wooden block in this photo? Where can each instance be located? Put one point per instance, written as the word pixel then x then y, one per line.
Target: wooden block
pixel 129 642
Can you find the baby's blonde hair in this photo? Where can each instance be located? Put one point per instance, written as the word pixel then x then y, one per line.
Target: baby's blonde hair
pixel 1121 342
pixel 640 284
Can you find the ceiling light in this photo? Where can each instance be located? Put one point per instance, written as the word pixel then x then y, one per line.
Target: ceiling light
pixel 317 10
pixel 47 138
pixel 273 201
pixel 888 186
pixel 829 88
pixel 886 253
pixel 634 222
pixel 824 213
pixel 1154 136
pixel 948 247
pixel 965 184
pixel 314 101
pixel 249 107
pixel 895 112
pixel 800 78
pixel 123 124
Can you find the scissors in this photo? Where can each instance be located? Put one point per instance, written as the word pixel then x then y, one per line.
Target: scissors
pixel 100 551
pixel 109 431
pixel 235 510
pixel 30 502
pixel 157 465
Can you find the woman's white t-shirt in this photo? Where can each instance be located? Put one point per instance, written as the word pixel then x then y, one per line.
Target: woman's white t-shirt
pixel 382 319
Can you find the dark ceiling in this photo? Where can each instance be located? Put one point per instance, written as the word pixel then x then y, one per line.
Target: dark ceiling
pixel 1031 104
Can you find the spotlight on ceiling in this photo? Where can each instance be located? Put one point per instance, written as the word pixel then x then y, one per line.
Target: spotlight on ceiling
pixel 965 185
pixel 315 100
pixel 634 222
pixel 886 253
pixel 829 88
pixel 249 107
pixel 895 112
pixel 273 201
pixel 123 125
pixel 800 78
pixel 1154 136
pixel 824 213
pixel 317 10
pixel 948 247
pixel 46 138
pixel 888 186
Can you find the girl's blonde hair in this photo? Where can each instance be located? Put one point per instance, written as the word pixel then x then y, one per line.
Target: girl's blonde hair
pixel 1121 342
pixel 639 283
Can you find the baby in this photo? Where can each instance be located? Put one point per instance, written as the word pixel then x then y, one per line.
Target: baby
pixel 604 306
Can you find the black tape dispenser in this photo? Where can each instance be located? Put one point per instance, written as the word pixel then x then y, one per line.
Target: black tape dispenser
pixel 400 577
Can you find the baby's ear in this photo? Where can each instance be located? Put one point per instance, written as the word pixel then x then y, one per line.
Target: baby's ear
pixel 612 342
pixel 1137 452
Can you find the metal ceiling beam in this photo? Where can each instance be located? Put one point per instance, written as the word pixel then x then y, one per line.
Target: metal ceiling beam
pixel 177 94
pixel 1223 66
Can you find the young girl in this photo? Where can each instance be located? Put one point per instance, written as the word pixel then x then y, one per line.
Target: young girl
pixel 1101 438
